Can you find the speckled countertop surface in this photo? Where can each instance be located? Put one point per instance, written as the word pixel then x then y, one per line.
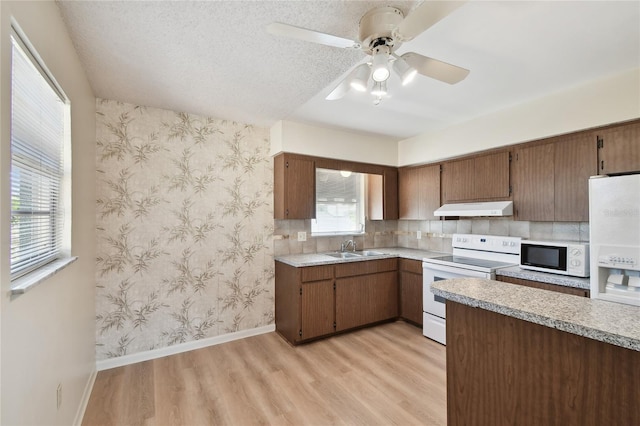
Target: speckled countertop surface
pixel 609 322
pixel 313 259
pixel 544 277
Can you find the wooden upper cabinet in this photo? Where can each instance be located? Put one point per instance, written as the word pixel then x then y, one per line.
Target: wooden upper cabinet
pixel 294 187
pixel 491 176
pixel 419 192
pixel 619 149
pixel 551 180
pixel 480 178
pixel 382 195
pixel 408 190
pixel 457 180
pixel 575 161
pixel 390 193
pixel 533 183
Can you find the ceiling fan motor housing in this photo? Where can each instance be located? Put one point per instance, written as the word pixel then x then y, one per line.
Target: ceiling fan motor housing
pixel 376 26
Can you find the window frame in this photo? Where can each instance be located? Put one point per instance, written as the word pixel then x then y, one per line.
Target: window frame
pixel 360 207
pixel 59 210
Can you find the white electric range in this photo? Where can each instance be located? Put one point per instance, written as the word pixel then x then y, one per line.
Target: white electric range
pixel 476 256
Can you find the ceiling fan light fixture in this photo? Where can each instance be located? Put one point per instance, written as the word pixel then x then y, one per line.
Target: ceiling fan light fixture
pixel 379 89
pixel 380 65
pixel 405 71
pixel 360 78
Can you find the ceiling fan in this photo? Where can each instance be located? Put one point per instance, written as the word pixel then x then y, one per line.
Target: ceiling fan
pixel 382 30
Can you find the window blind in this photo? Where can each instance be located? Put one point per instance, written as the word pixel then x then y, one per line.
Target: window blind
pixel 339 202
pixel 37 141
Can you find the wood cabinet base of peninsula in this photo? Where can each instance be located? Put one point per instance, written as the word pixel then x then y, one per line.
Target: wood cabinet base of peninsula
pixel 506 371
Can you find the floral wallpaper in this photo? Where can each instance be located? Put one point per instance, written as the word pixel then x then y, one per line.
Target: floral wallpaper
pixel 184 228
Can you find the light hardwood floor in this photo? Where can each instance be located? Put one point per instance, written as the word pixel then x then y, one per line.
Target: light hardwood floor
pixel 387 374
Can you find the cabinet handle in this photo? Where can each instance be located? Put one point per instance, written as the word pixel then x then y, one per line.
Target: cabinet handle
pixel 601 164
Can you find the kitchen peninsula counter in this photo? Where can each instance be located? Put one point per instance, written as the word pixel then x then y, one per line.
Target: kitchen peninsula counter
pixel 607 322
pixel 520 355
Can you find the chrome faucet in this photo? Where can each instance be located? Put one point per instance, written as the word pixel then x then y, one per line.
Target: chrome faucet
pixel 345 245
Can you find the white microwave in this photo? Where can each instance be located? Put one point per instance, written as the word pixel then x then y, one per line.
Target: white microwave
pixel 555 257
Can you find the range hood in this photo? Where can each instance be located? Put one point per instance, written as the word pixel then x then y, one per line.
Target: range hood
pixel 491 208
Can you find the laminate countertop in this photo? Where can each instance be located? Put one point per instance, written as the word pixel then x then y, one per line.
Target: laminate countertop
pixel 608 322
pixel 314 259
pixel 545 277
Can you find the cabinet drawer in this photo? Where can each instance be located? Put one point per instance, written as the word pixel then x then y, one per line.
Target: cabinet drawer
pixel 316 273
pixel 410 265
pixel 366 267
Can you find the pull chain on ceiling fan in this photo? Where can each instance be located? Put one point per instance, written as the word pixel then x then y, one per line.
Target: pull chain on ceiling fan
pixel 381 31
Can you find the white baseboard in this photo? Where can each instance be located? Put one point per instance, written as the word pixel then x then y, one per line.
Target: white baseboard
pixel 85 398
pixel 181 347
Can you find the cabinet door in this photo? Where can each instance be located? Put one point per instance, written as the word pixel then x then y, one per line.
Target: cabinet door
pixel 620 149
pixel 301 189
pixel 533 186
pixel 419 192
pixel 317 315
pixel 294 188
pixel 408 193
pixel 491 176
pixel 458 181
pixel 575 161
pixel 390 191
pixel 411 296
pixel 429 191
pixel 366 299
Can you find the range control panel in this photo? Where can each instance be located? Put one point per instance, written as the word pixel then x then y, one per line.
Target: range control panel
pixel 492 243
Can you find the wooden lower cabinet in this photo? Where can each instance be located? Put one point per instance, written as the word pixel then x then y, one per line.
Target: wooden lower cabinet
pixel 506 371
pixel 544 286
pixel 366 299
pixel 317 301
pixel 316 309
pixel 410 292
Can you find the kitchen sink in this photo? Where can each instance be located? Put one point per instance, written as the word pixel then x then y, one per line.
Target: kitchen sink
pixel 369 253
pixel 343 254
pixel 353 254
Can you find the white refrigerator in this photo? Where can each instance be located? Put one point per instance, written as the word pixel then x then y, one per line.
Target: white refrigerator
pixel 614 229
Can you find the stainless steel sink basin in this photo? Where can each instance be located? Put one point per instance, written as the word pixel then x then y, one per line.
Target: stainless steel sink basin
pixel 352 254
pixel 369 253
pixel 343 254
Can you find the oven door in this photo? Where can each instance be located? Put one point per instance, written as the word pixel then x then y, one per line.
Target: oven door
pixel 435 305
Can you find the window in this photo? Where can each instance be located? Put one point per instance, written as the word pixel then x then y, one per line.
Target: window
pixel 339 202
pixel 39 117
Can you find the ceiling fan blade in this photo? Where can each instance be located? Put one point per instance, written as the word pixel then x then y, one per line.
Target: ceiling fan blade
pixel 286 30
pixel 341 89
pixel 434 68
pixel 423 17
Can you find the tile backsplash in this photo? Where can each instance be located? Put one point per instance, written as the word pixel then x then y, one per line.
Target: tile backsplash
pixel 435 234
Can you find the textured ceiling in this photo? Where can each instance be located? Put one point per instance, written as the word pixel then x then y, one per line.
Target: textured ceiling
pixel 215 58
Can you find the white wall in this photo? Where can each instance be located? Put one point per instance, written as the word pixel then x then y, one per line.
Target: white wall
pixel 48 334
pixel 602 102
pixel 289 136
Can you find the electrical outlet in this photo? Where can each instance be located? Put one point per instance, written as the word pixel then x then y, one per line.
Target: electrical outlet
pixel 302 236
pixel 419 235
pixel 59 396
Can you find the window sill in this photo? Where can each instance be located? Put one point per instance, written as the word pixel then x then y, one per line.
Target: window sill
pixel 29 281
